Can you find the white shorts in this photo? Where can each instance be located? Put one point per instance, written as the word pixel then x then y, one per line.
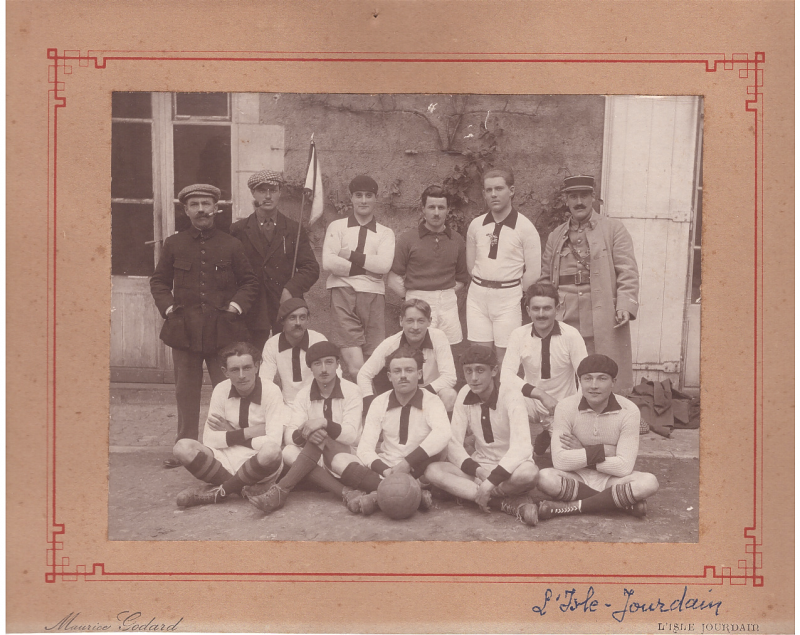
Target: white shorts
pixel 538 413
pixel 493 313
pixel 488 464
pixel 234 457
pixel 594 479
pixel 444 311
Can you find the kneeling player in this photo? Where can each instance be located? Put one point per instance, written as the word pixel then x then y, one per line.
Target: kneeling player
pixel 415 430
pixel 242 437
pixel 325 421
pixel 594 447
pixel 502 465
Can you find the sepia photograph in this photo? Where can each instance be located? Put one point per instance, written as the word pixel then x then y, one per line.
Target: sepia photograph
pixel 405 317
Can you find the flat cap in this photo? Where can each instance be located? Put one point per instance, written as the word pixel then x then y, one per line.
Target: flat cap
pixel 320 350
pixel 199 189
pixel 290 306
pixel 363 183
pixel 578 183
pixel 598 364
pixel 478 354
pixel 265 176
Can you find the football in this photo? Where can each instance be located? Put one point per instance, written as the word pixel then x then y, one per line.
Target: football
pixel 399 496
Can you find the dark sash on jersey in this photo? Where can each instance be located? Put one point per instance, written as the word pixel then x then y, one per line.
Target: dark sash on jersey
pixel 357 270
pixel 494 241
pixel 405 413
pixel 486 420
pixel 283 344
pixel 545 365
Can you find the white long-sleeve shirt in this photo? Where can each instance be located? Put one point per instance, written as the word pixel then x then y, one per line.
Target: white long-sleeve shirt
pixel 288 363
pixel 500 426
pixel 372 253
pixel 342 410
pixel 438 369
pixel 617 425
pixel 567 350
pixel 262 406
pixel 503 251
pixel 414 432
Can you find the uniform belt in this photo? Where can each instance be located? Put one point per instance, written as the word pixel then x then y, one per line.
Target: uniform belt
pixel 494 284
pixel 582 277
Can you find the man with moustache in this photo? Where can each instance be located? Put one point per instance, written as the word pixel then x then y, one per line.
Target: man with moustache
pixel 284 355
pixel 590 260
pixel 430 264
pixel 503 257
pixel 550 352
pixel 358 253
pixel 269 239
pixel 595 444
pixel 202 286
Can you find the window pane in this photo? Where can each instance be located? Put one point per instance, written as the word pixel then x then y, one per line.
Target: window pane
pixel 132 105
pixel 131 160
pixel 203 155
pixel 131 228
pixel 222 221
pixel 201 104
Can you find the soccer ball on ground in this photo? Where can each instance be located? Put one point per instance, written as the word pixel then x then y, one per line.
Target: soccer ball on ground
pixel 399 496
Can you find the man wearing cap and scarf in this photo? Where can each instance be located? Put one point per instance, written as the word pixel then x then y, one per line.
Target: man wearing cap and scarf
pixel 202 286
pixel 595 444
pixel 590 260
pixel 284 356
pixel 269 240
pixel 358 253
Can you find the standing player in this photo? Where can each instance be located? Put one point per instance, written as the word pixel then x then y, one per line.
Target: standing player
pixel 595 443
pixel 438 369
pixel 284 353
pixel 415 430
pixel 325 421
pixel 501 466
pixel 430 263
pixel 358 253
pixel 503 257
pixel 269 239
pixel 550 352
pixel 242 438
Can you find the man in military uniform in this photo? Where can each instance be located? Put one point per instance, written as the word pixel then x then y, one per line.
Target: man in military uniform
pixel 203 285
pixel 270 240
pixel 590 260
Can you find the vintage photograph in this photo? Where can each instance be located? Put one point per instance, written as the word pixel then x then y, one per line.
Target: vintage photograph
pixel 405 317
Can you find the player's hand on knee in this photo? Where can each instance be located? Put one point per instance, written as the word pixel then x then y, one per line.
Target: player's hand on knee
pixel 318 437
pixel 312 425
pixel 484 494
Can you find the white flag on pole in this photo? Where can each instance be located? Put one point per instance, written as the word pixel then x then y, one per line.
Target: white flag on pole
pixel 313 184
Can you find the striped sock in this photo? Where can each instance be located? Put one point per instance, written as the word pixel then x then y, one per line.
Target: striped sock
pixel 359 477
pixel 615 497
pixel 623 495
pixel 250 473
pixel 206 468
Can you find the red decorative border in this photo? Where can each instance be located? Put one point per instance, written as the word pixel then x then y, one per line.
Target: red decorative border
pixel 749 68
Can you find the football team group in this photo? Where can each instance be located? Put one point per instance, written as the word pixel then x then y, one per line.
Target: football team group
pixel 381 422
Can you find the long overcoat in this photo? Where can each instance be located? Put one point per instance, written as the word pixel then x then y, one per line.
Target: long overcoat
pixel 272 264
pixel 614 285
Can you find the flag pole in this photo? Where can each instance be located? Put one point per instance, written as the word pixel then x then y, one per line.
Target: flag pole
pixel 303 203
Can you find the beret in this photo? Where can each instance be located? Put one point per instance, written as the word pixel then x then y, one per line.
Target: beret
pixel 578 183
pixel 290 306
pixel 199 189
pixel 598 364
pixel 265 176
pixel 478 354
pixel 363 183
pixel 320 350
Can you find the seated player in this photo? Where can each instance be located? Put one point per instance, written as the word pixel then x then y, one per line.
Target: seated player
pixel 242 437
pixel 549 352
pixel 284 353
pixel 501 466
pixel 415 430
pixel 595 443
pixel 325 421
pixel 438 369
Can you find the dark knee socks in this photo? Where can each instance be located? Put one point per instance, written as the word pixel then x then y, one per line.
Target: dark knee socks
pixel 206 468
pixel 357 476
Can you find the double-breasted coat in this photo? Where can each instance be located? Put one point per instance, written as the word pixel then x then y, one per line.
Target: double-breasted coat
pixel 272 264
pixel 199 274
pixel 613 283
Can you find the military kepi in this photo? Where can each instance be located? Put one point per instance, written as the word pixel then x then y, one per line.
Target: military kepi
pixel 199 189
pixel 363 183
pixel 270 177
pixel 598 364
pixel 578 183
pixel 320 350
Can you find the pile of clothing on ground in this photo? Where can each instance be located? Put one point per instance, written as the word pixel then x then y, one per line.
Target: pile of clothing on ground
pixel 664 408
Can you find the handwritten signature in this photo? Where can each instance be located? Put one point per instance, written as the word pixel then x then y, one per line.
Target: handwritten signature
pixel 573 601
pixel 126 621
